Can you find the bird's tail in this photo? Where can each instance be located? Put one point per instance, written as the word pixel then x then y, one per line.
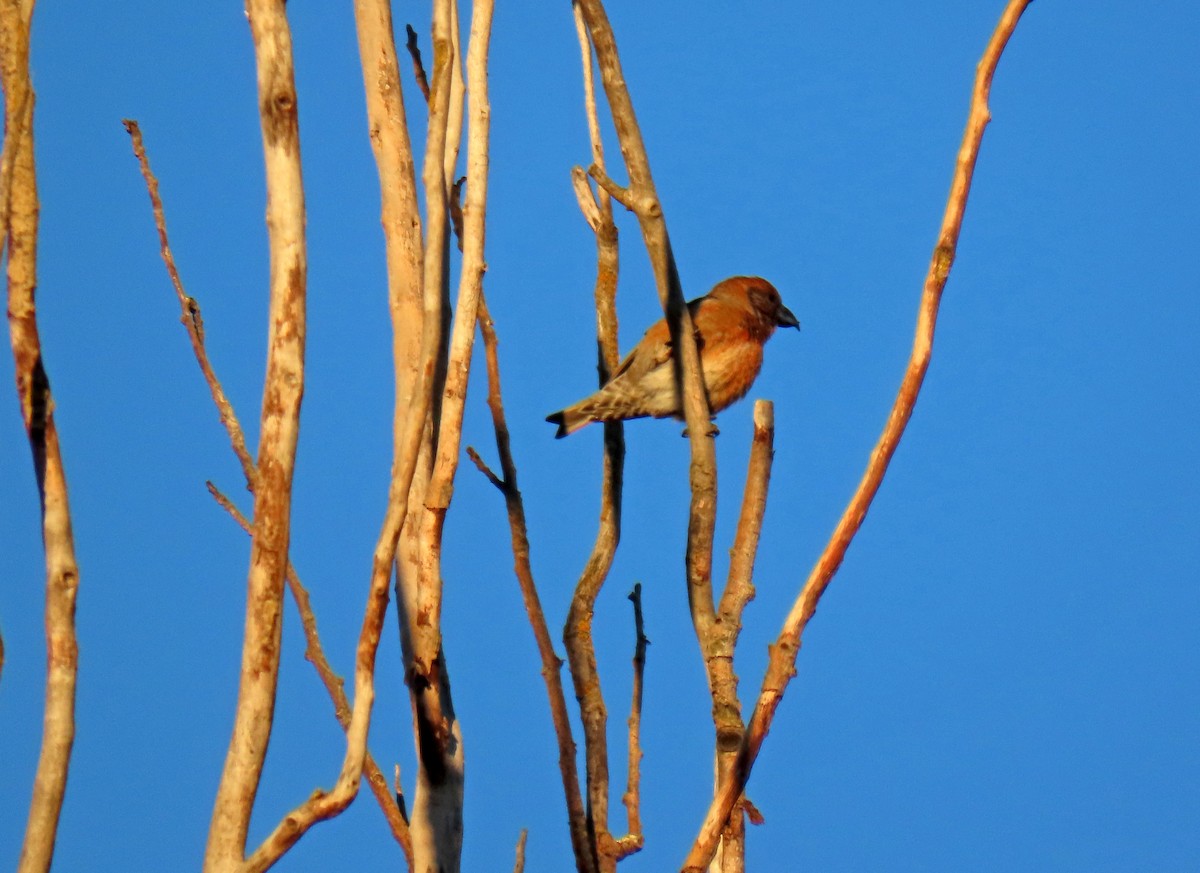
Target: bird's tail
pixel 568 420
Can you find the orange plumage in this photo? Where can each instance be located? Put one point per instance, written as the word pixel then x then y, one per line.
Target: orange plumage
pixel 732 322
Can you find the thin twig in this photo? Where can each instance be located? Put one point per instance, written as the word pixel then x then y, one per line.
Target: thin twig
pixel 454 123
pixel 635 839
pixel 19 219
pixel 551 665
pixel 624 196
pixel 314 653
pixel 414 52
pixel 783 652
pixel 519 866
pixel 456 210
pixel 190 317
pixel 479 462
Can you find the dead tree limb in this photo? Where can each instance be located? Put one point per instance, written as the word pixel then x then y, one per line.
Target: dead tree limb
pixel 642 197
pixel 18 234
pixel 783 652
pixel 507 484
pixel 283 390
pixel 600 849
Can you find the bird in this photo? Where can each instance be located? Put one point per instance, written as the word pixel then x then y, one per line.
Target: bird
pixel 731 322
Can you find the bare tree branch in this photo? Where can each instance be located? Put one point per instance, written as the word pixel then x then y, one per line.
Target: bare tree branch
pixel 437 810
pixel 551 665
pixel 284 388
pixel 400 215
pixel 601 849
pixel 414 52
pixel 783 652
pixel 314 653
pixel 426 697
pixel 643 200
pixel 720 644
pixel 19 206
pixel 437 498
pixel 632 797
pixel 519 866
pixel 190 317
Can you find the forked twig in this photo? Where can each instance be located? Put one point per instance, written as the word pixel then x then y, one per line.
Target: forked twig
pixel 314 652
pixel 551 665
pixel 642 198
pixel 334 684
pixel 600 848
pixel 721 642
pixel 783 652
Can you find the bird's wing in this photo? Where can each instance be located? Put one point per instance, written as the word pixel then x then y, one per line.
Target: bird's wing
pixel 653 350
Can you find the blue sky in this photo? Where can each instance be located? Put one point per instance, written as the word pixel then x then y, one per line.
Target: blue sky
pixel 1003 676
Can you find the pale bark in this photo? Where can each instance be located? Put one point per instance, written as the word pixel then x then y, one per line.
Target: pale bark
pixel 783 652
pixel 18 234
pixel 282 394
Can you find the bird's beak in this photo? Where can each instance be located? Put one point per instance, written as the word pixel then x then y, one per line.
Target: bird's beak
pixel 784 318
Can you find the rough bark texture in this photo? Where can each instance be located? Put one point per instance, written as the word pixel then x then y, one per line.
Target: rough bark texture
pixel 19 206
pixel 282 394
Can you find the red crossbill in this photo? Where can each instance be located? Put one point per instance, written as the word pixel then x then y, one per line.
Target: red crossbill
pixel 732 322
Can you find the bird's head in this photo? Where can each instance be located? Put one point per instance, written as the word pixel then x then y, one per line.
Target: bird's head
pixel 760 297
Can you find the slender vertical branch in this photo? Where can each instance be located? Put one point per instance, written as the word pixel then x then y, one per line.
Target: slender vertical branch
pixel 438 802
pixel 190 316
pixel 721 643
pixel 551 665
pixel 642 198
pixel 416 294
pixel 282 395
pixel 783 652
pixel 400 215
pixel 19 214
pixel 519 864
pixel 415 313
pixel 601 849
pixel 424 639
pixel 437 498
pixel 632 797
pixel 454 122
